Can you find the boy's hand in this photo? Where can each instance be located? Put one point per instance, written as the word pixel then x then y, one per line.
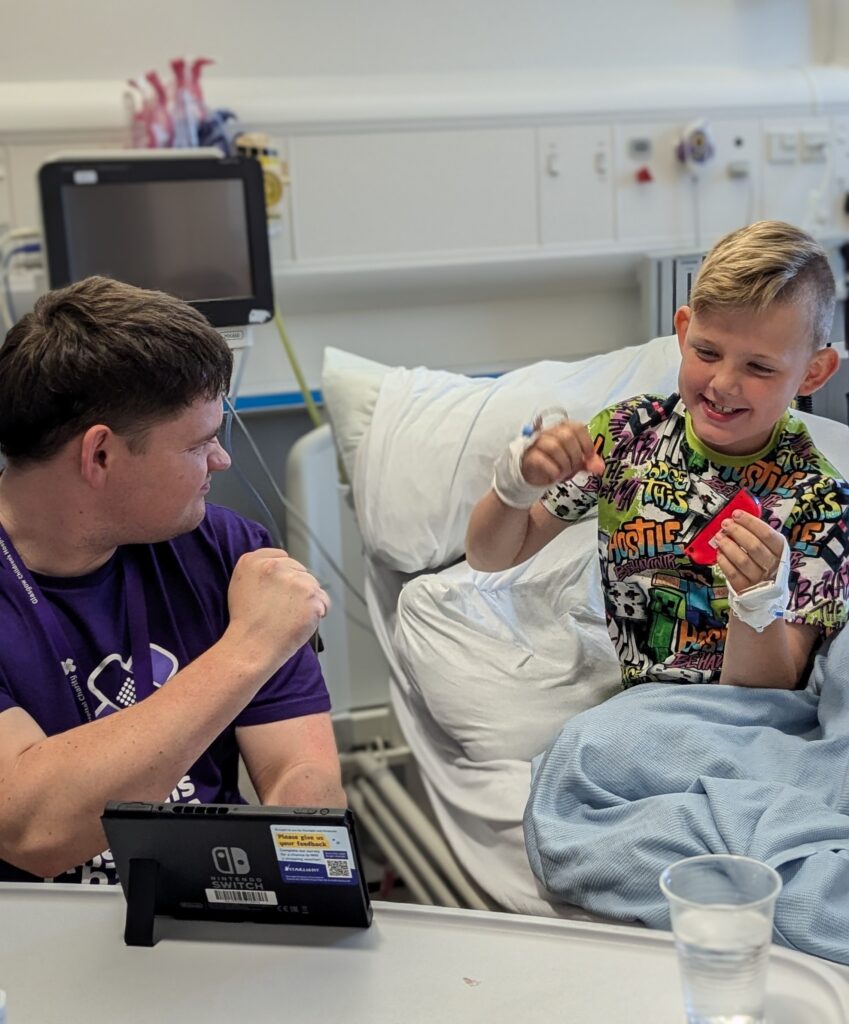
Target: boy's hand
pixel 560 452
pixel 749 551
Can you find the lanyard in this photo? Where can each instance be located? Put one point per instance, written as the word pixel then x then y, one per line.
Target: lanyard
pixel 30 597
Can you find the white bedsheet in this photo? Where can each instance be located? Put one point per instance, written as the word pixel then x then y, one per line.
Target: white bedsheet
pixel 478 804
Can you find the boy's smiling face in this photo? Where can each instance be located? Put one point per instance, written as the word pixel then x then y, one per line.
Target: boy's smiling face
pixel 740 370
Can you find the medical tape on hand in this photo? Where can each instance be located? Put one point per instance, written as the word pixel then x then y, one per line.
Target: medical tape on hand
pixel 507 482
pixel 761 605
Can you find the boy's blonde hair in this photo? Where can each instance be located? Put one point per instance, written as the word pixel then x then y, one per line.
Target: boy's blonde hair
pixel 765 263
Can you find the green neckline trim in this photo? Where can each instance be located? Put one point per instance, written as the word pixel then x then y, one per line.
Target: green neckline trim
pixel 719 458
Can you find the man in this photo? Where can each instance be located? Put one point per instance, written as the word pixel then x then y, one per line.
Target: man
pixel 146 639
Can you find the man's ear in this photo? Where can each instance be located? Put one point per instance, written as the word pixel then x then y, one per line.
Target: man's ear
pixel 96 454
pixel 683 316
pixel 822 367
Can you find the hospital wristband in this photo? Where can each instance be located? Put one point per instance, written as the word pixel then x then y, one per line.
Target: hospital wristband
pixel 760 606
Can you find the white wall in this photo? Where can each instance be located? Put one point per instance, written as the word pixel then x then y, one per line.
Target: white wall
pixel 343 47
pixel 92 39
pixel 419 49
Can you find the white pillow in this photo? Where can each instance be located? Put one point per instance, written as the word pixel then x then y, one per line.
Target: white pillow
pixel 831 437
pixel 428 453
pixel 419 444
pixel 350 385
pixel 503 660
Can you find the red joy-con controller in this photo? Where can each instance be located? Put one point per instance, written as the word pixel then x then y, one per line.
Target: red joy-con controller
pixel 700 550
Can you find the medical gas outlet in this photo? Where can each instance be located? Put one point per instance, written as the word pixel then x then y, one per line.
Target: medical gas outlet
pixel 696 148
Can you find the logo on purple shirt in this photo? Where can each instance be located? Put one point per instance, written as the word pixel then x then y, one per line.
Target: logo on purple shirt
pixel 113 683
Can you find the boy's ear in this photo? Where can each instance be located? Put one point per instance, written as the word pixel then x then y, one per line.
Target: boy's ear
pixel 822 367
pixel 683 316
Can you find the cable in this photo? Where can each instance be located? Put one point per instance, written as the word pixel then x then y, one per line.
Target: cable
pixel 26 248
pixel 290 508
pixel 18 233
pixel 6 303
pixel 273 528
pixel 312 410
pixel 236 384
pixel 697 220
pixel 231 415
pixel 227 445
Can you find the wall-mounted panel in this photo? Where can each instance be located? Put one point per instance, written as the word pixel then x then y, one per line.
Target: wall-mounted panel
pixel 798 170
pixel 413 193
pixel 280 209
pixel 5 202
pixel 840 190
pixel 728 191
pixel 24 162
pixel 654 198
pixel 576 184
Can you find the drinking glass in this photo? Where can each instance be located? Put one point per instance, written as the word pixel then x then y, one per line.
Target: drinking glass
pixel 722 908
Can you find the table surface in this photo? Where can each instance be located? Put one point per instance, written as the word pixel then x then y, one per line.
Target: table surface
pixel 62 958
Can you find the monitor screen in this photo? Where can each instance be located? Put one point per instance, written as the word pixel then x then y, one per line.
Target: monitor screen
pixel 192 227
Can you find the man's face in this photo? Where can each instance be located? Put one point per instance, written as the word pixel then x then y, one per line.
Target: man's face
pixel 160 491
pixel 740 371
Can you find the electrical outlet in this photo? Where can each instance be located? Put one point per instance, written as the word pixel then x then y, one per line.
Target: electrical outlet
pixel 813 146
pixel 782 146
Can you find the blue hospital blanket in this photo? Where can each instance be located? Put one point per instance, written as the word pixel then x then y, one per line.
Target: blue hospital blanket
pixel 661 772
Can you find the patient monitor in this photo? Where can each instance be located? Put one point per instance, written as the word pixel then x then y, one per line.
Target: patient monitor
pixel 191 225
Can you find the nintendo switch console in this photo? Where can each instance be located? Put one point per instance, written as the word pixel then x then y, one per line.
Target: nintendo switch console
pixel 236 862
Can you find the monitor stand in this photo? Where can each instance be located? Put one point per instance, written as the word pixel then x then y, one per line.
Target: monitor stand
pixel 237 337
pixel 240 340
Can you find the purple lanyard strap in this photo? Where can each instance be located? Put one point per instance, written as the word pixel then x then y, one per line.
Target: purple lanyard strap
pixel 31 597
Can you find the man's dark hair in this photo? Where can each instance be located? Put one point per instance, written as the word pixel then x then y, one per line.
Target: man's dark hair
pixel 100 351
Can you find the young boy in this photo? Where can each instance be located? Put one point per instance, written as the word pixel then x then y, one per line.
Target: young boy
pixel 754 336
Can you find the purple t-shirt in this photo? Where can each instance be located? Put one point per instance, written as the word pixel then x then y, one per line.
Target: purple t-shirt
pixel 185 590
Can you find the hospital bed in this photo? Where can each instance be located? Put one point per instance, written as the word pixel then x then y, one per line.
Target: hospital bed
pixel 483 668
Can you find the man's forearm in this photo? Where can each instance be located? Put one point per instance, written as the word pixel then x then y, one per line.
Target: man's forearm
pixel 307 784
pixel 55 793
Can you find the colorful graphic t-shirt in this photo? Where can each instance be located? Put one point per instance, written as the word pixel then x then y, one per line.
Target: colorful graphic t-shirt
pixel 185 590
pixel 668 617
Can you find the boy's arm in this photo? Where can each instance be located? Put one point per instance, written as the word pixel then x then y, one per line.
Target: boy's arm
pixel 499 536
pixel 774 658
pixel 508 524
pixel 750 553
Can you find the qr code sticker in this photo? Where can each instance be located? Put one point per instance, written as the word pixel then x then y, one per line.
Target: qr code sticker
pixel 338 869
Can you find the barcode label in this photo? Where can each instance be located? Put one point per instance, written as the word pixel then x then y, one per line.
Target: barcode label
pixel 338 869
pixel 263 896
